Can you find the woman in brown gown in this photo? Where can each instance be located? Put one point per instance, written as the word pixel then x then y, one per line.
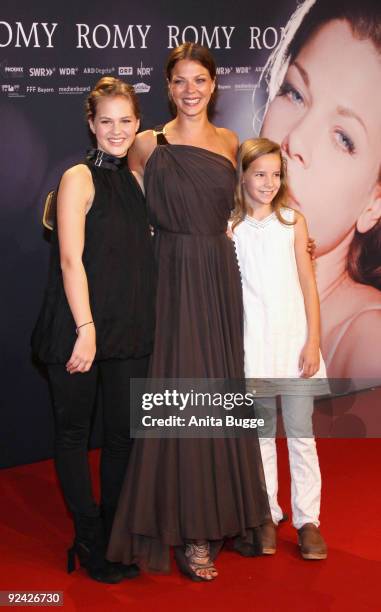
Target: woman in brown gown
pixel 182 492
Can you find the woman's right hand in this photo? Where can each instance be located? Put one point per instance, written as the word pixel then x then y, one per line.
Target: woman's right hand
pixel 84 351
pixel 229 233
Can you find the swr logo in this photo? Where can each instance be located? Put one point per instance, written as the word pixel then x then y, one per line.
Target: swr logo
pixel 41 72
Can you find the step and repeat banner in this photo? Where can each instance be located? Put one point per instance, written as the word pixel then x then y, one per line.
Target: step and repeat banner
pixel 307 75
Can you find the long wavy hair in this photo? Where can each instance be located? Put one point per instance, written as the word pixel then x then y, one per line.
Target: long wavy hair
pixel 249 151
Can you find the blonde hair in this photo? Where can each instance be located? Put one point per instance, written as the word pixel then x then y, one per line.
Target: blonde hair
pixel 249 151
pixel 111 86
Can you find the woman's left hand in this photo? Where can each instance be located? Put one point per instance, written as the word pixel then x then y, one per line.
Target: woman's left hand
pixel 309 360
pixel 84 351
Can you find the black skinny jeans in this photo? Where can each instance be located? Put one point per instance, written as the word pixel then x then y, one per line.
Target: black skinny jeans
pixel 74 400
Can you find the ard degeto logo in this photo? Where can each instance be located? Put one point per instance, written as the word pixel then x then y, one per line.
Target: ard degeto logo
pixel 98 70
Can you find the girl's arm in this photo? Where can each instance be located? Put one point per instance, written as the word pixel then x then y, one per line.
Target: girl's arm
pixel 309 357
pixel 75 196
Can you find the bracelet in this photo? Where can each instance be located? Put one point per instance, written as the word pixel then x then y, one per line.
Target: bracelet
pixel 83 325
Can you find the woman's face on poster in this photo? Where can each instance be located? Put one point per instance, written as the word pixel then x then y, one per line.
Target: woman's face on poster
pixel 327 119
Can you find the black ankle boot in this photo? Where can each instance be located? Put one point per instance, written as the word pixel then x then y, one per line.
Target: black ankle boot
pixel 90 548
pixel 108 514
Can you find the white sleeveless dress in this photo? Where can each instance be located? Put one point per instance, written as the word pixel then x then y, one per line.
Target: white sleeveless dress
pixel 275 324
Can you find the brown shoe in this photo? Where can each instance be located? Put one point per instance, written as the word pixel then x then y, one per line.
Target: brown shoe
pixel 268 537
pixel 310 540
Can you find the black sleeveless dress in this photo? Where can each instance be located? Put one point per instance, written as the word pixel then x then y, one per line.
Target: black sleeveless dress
pixel 119 263
pixel 180 489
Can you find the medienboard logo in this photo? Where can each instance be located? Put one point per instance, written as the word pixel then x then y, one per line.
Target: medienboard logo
pixel 73 90
pixel 125 70
pixel 141 88
pixel 244 86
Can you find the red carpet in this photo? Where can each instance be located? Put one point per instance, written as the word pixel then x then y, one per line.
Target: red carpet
pixel 35 531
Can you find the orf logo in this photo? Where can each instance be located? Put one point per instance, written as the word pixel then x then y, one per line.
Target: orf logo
pixel 125 70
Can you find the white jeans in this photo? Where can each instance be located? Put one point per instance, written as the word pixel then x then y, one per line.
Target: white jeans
pixel 304 464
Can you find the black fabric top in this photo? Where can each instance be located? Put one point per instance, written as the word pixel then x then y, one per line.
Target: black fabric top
pixel 119 264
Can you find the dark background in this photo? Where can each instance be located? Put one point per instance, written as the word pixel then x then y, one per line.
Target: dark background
pixel 43 134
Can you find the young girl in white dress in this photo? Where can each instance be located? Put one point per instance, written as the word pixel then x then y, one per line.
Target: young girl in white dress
pixel 281 332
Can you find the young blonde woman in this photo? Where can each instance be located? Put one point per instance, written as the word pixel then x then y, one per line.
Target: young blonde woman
pixel 97 321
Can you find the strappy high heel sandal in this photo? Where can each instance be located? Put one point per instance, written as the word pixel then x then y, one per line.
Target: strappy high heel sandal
pixel 195 558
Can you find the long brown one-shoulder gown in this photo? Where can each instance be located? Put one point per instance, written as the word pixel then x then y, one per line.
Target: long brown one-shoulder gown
pixel 180 489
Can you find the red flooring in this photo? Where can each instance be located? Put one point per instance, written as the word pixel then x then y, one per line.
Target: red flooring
pixel 35 531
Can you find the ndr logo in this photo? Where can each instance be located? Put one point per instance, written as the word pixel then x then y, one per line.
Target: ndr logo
pixel 144 70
